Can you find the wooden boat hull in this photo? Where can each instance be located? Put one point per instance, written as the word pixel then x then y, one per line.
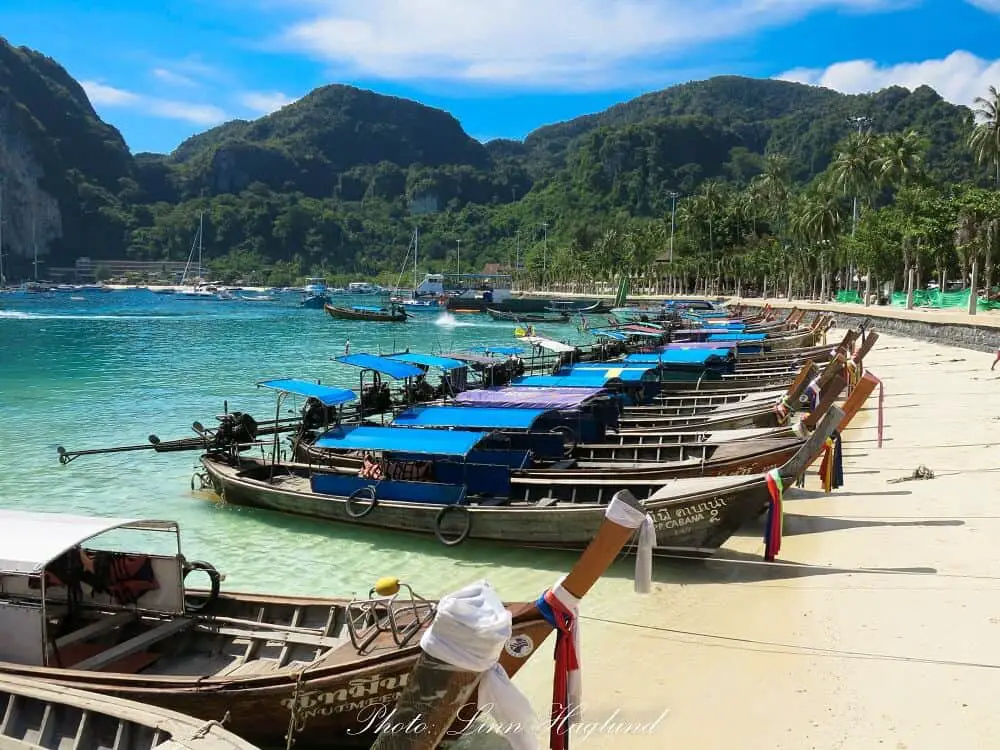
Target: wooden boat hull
pixel 766 416
pixel 329 699
pixel 601 461
pixel 539 513
pixel 346 313
pixel 78 719
pixel 527 317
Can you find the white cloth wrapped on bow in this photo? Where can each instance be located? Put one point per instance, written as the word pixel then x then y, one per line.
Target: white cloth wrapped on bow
pixel 469 632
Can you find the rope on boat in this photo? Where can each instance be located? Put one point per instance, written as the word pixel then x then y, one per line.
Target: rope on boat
pixel 803 649
pixel 202 732
pixel 294 727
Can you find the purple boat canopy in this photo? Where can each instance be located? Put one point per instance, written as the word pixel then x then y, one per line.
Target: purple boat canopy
pixel 529 398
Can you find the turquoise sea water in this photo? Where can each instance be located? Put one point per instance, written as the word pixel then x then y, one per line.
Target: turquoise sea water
pixel 110 369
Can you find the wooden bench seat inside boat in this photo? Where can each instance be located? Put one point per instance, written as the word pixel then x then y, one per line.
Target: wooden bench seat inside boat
pixel 71 656
pixel 128 656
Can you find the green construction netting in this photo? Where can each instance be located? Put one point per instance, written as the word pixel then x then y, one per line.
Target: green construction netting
pixel 924 298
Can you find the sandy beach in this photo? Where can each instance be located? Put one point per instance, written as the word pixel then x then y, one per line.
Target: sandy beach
pixel 878 627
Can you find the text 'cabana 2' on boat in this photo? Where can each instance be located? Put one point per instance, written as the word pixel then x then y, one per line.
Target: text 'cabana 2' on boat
pixel 463 483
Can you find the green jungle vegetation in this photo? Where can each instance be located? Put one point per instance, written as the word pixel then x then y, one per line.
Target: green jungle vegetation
pixel 763 175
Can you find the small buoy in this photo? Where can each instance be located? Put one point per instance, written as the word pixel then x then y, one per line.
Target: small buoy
pixel 387 586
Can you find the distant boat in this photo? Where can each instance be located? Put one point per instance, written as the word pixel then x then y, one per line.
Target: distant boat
pixel 392 314
pixel 197 291
pixel 257 298
pixel 361 287
pixel 315 285
pixel 315 301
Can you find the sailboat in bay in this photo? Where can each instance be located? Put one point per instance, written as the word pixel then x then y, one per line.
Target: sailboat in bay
pixel 199 291
pixel 420 297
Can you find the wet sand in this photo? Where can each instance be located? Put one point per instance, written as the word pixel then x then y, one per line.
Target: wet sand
pixel 818 653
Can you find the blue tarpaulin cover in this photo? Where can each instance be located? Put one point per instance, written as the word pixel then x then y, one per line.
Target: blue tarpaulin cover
pixel 327 395
pixel 737 337
pixel 396 440
pixel 383 365
pixel 692 356
pixel 507 350
pixel 429 360
pixel 470 417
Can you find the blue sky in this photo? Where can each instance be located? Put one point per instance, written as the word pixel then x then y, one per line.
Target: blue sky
pixel 161 70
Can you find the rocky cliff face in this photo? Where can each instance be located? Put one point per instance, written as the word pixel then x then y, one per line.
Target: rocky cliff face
pixel 61 166
pixel 31 216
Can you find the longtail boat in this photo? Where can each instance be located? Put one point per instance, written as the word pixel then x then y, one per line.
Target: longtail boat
pixel 456 490
pixel 276 669
pixel 392 314
pixel 38 716
pixel 556 317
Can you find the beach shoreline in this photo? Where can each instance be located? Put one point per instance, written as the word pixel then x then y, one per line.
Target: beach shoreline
pixel 876 627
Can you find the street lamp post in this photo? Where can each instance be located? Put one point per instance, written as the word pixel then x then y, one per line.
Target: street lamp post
pixel 673 195
pixel 860 121
pixel 458 259
pixel 545 245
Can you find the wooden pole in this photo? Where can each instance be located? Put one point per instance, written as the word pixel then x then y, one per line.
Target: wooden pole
pixel 438 693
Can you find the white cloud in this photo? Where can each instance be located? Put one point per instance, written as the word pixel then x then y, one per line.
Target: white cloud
pixel 172 78
pixel 959 78
pixel 98 93
pixel 198 114
pixel 526 43
pixel 265 102
pixel 991 6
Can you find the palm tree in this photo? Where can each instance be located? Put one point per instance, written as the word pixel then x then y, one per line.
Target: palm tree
pixel 900 158
pixel 773 185
pixel 851 169
pixel 985 138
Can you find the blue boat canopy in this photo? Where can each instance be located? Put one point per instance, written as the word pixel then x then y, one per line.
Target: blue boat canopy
pixel 680 356
pixel 607 366
pixel 429 360
pixel 508 350
pixel 469 417
pixel 392 439
pixel 734 336
pixel 383 365
pixel 616 335
pixel 327 395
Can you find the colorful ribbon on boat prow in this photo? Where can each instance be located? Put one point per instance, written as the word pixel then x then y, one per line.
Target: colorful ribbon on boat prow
pixel 881 407
pixel 775 515
pixel 852 374
pixel 469 631
pixel 812 394
pixel 831 468
pixel 562 611
pixel 782 410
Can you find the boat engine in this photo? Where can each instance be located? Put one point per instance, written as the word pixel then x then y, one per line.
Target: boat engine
pixel 316 416
pixel 236 428
pixel 376 399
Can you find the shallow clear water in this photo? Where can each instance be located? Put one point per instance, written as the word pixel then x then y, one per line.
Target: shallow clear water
pixel 110 369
